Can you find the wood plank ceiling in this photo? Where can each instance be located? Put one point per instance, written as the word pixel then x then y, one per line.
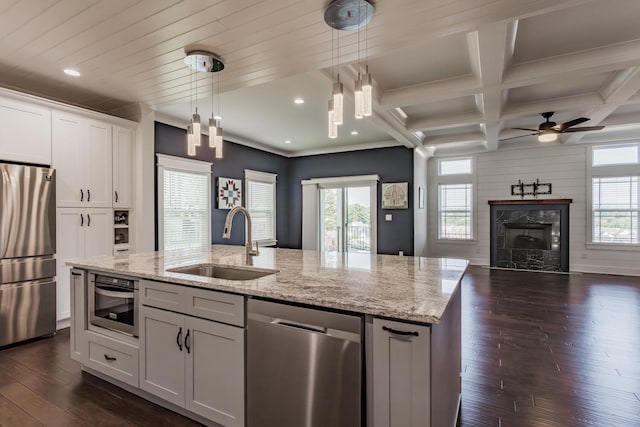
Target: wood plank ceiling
pixel 452 76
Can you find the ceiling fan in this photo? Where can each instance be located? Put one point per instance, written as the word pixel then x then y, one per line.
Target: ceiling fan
pixel 548 131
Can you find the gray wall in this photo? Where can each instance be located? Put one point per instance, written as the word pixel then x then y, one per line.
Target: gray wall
pixel 172 141
pixel 391 164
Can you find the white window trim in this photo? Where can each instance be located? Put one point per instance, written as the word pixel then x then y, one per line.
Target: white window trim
pixel 466 178
pixel 311 206
pixel 269 178
pixel 181 164
pixel 605 171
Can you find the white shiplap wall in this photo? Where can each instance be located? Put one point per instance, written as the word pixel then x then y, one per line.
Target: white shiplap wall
pixel 565 168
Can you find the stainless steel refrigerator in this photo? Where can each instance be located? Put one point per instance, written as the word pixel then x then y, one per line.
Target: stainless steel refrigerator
pixel 27 252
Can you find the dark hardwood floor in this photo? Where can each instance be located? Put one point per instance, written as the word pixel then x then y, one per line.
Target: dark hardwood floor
pixel 539 349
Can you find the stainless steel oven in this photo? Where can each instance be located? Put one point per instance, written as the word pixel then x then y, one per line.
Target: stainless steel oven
pixel 113 303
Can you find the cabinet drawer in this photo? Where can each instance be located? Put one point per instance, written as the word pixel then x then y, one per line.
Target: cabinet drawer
pixel 162 295
pixel 218 306
pixel 116 359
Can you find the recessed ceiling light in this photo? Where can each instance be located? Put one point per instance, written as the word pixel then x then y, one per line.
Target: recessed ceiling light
pixel 71 72
pixel 298 101
pixel 287 141
pixel 354 132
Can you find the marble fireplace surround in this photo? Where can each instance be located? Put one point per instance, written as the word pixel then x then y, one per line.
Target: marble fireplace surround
pixel 530 234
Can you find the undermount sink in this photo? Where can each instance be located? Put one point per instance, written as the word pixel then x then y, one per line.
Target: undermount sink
pixel 222 272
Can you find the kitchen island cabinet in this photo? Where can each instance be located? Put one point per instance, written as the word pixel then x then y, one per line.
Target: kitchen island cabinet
pixel 411 380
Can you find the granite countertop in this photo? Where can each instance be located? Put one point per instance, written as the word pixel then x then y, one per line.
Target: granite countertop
pixel 413 289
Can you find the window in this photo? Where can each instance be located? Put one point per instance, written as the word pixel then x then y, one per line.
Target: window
pixel 615 209
pixel 184 203
pixel 260 190
pixel 455 199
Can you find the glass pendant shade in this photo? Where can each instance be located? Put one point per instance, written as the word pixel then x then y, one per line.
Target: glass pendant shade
pixel 367 95
pixel 213 132
pixel 191 147
pixel 218 140
pixel 196 130
pixel 338 103
pixel 333 126
pixel 358 98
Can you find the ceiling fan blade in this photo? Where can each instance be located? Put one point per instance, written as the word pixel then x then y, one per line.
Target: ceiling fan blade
pixel 519 136
pixel 583 129
pixel 530 130
pixel 562 126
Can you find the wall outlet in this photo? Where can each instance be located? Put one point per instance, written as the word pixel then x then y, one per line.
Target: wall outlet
pixel 401 253
pixel 388 217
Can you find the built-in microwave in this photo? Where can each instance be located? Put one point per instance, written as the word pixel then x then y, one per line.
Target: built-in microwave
pixel 113 303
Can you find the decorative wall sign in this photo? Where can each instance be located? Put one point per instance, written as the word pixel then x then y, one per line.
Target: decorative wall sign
pixel 395 195
pixel 229 193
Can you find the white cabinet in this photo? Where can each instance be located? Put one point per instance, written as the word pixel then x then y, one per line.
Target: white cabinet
pixel 401 366
pixel 82 156
pixel 122 167
pixel 25 132
pixel 194 363
pixel 81 233
pixel 79 318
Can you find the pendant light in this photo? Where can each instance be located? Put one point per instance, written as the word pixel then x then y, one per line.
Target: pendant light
pixel 203 61
pixel 333 127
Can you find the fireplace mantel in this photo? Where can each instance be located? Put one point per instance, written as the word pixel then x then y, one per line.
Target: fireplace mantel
pixel 531 202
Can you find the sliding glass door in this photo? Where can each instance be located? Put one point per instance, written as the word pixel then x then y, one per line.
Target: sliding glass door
pixel 346 219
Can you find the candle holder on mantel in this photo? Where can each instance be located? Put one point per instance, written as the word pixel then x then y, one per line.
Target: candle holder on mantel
pixel 519 189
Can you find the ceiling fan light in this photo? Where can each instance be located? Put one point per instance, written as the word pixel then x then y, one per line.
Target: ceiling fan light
pixel 547 137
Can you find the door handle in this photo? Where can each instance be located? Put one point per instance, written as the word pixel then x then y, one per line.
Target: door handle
pixel 110 358
pixel 81 220
pixel 179 338
pixel 88 220
pixel 116 196
pixel 81 195
pixel 88 195
pixel 187 342
pixel 397 332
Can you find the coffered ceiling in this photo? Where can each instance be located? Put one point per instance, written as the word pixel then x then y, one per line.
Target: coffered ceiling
pixel 451 76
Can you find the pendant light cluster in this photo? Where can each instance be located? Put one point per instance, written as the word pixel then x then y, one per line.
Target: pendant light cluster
pixel 203 61
pixel 349 15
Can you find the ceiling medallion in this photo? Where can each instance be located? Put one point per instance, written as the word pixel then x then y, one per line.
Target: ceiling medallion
pixel 203 61
pixel 349 15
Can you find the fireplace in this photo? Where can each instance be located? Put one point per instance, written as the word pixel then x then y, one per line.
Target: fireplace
pixel 530 234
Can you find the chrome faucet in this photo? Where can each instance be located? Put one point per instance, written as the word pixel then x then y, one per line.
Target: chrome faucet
pixel 227 229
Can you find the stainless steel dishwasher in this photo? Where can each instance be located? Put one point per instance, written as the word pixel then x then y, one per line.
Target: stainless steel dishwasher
pixel 303 367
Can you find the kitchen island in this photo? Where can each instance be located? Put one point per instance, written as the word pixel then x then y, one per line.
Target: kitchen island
pixel 409 308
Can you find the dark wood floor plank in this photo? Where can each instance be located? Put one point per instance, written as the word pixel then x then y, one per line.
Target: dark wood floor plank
pixel 12 415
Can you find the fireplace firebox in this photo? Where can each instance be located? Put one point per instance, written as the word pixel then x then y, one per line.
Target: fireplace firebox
pixel 530 234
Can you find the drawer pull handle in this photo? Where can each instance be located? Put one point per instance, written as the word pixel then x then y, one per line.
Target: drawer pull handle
pixel 397 332
pixel 73 273
pixel 179 338
pixel 187 342
pixel 110 358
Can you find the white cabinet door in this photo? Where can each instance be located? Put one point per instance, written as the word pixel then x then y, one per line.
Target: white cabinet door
pixel 70 225
pixel 215 371
pixel 162 354
pixel 98 164
pixel 122 167
pixel 68 159
pixel 25 132
pixel 400 374
pixel 79 319
pixel 98 232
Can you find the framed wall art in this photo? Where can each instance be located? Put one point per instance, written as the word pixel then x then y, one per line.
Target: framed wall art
pixel 229 193
pixel 395 195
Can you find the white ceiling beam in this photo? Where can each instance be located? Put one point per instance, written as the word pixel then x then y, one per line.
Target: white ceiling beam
pixel 569 103
pixel 447 139
pixel 593 61
pixel 440 90
pixel 447 122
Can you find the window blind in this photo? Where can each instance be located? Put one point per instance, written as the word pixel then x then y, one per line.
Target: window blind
pixel 454 211
pixel 185 209
pixel 260 188
pixel 615 209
